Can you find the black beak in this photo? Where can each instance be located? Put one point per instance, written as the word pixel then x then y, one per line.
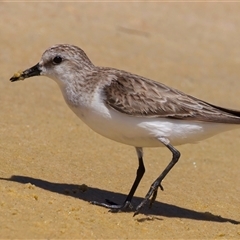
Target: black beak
pixel 31 72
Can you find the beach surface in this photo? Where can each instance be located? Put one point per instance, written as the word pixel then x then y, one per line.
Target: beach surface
pixel 52 164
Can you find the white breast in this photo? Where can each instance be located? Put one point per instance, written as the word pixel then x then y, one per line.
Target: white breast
pixel 141 131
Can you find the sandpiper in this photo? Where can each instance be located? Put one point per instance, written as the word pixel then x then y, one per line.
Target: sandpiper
pixel 130 109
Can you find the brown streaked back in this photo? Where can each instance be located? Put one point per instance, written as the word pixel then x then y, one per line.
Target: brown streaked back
pixel 138 96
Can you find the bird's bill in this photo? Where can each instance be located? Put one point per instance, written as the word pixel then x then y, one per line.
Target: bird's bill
pixel 31 72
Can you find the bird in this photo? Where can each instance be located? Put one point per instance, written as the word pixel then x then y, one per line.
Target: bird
pixel 130 109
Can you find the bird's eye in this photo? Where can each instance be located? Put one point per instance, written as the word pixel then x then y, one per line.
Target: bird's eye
pixel 57 60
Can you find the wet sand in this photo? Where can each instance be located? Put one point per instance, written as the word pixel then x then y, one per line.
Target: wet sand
pixel 52 165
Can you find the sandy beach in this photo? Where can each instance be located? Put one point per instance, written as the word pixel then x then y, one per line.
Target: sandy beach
pixel 52 164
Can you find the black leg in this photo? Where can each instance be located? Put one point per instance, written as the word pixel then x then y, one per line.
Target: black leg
pixel 157 183
pixel 127 203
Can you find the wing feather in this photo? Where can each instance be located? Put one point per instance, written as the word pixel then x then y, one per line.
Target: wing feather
pixel 137 96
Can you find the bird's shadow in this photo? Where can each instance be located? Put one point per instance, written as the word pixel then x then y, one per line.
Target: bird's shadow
pixel 94 194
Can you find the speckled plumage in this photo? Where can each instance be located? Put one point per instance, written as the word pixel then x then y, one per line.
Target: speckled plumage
pixel 137 96
pixel 130 109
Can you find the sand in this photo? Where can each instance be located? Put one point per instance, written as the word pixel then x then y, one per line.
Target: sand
pixel 52 165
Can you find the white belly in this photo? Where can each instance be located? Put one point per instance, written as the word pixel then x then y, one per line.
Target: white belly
pixel 145 132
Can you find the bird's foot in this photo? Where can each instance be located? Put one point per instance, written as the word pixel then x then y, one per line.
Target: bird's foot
pixel 114 207
pixel 151 193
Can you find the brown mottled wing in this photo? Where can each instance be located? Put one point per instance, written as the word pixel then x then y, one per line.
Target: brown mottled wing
pixel 138 96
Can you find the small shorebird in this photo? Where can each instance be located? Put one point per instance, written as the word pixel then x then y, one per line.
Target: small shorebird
pixel 130 109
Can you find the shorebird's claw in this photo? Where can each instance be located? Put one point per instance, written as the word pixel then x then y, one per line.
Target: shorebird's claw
pixel 161 187
pixel 114 207
pixel 152 192
pixel 127 206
